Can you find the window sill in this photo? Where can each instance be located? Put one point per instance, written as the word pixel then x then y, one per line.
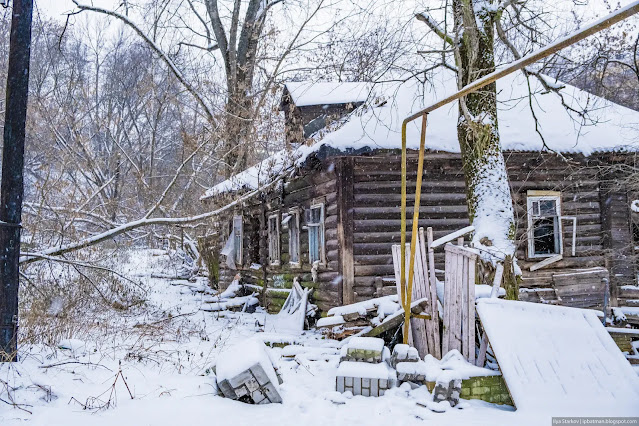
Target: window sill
pixel 541 256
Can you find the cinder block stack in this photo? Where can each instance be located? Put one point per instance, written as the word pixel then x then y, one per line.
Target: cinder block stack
pixel 363 369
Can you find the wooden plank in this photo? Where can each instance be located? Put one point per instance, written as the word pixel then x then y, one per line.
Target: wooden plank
pixel 395 320
pixel 434 311
pixel 446 339
pixel 397 262
pixel 432 325
pixel 463 308
pixel 471 311
pixel 457 303
pixel 417 330
pixel 345 228
pixel 546 262
pixel 450 237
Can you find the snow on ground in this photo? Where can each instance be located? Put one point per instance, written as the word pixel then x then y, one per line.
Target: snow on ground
pixel 166 351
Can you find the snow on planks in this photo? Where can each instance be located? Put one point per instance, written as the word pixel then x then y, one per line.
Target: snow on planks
pixel 559 359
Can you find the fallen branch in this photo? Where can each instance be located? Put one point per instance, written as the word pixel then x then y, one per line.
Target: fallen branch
pixel 114 232
pixel 74 362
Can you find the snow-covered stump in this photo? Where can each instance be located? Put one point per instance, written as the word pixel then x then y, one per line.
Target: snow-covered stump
pixel 246 373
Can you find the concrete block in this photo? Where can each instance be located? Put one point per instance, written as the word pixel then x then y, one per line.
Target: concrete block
pixel 403 353
pixel 448 391
pixel 252 385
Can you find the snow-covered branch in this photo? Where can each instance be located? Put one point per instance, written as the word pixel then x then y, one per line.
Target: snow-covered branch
pixel 114 232
pixel 434 26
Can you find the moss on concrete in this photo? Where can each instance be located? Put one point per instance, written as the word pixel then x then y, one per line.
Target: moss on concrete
pixel 489 388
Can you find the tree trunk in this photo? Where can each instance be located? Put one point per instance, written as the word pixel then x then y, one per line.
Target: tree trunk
pixel 488 191
pixel 237 131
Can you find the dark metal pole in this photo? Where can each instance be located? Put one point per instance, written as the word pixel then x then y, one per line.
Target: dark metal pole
pixel 12 188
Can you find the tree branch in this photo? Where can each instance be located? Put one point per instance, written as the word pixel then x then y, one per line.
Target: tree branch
pixel 112 233
pixel 435 28
pixel 157 50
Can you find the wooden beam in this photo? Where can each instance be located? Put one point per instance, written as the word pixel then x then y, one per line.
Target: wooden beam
pixel 345 227
pixel 395 320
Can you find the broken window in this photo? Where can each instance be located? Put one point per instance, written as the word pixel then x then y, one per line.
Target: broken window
pixel 274 239
pixel 315 223
pixel 544 224
pixel 238 236
pixel 293 221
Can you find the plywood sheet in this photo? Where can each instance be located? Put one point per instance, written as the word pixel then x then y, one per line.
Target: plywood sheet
pixel 559 359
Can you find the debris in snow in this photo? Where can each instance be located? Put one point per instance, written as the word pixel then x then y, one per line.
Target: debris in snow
pixel 448 388
pixel 366 349
pixel 403 353
pixel 543 351
pixel 293 315
pixel 330 321
pixel 76 346
pixel 345 321
pixel 245 372
pixel 242 303
pixel 414 372
pixel 361 378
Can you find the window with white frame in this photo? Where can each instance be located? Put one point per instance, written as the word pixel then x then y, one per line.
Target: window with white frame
pixel 238 239
pixel 294 237
pixel 315 224
pixel 544 224
pixel 274 239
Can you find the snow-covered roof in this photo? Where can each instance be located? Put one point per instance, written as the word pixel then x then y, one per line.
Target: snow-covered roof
pixel 307 93
pixel 609 127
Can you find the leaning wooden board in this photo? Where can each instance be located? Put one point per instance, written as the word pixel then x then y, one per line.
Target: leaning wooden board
pixel 559 360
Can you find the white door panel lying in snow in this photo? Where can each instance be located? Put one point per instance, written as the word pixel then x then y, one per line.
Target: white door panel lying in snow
pixel 559 359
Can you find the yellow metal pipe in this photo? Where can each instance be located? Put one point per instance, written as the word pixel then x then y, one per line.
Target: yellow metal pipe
pixel 408 287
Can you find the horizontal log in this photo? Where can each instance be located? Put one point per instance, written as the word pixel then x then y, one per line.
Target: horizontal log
pixel 376 225
pixel 425 212
pixel 374 270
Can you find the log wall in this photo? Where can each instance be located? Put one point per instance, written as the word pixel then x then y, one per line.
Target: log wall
pixel 362 220
pixel 315 185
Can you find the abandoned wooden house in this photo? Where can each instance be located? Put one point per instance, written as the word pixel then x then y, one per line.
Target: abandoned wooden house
pixel 333 213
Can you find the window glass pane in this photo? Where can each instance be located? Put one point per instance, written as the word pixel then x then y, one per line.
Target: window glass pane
pixel 547 208
pixel 293 239
pixel 313 244
pixel 316 215
pixel 237 232
pixel 535 208
pixel 544 231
